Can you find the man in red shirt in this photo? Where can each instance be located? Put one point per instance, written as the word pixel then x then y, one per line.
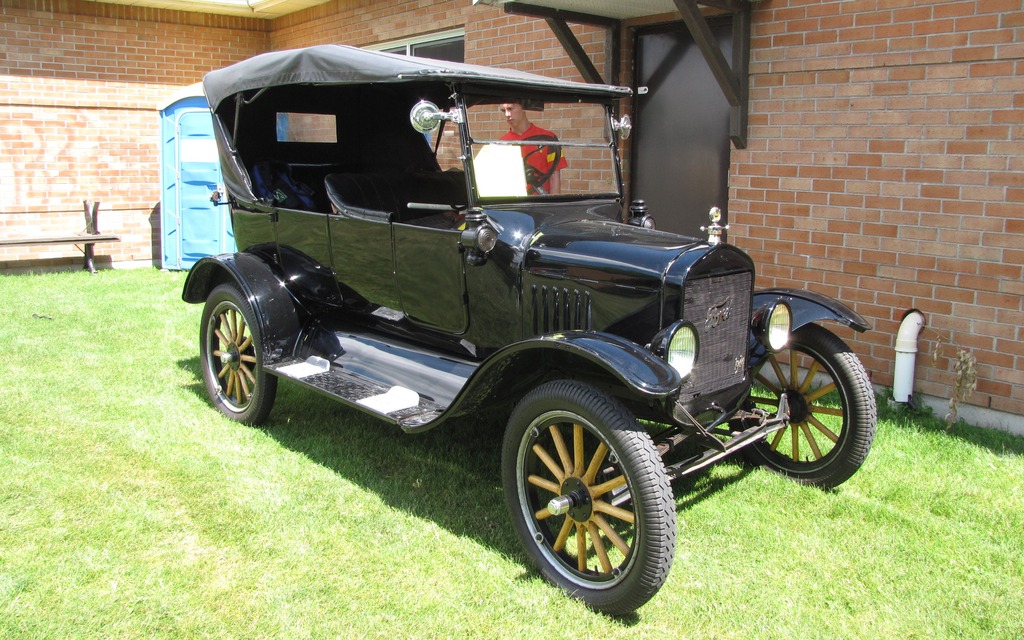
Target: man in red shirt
pixel 547 162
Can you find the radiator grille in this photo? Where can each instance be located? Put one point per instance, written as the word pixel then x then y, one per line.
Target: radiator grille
pixel 560 309
pixel 719 308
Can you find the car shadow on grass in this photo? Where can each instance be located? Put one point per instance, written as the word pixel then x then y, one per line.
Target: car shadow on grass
pixel 450 475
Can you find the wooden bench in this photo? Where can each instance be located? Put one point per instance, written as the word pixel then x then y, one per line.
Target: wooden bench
pixel 87 239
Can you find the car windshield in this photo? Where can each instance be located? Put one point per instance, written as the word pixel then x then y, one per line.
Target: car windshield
pixel 523 148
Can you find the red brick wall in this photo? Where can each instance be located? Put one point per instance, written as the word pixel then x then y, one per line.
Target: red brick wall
pixel 885 167
pixel 81 84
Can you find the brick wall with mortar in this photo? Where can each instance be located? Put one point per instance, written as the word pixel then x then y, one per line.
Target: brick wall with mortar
pixel 885 167
pixel 81 84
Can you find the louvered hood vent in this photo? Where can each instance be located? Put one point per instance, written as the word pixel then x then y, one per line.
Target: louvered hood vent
pixel 560 309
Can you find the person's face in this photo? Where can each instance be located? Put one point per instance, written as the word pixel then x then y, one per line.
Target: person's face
pixel 514 114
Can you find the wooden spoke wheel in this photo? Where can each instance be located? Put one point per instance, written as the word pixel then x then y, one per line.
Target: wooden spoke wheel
pixel 589 496
pixel 232 358
pixel 832 409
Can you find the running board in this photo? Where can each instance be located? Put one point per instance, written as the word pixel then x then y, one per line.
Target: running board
pixel 395 403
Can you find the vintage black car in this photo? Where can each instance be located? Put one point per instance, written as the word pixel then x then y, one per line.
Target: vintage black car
pixel 394 254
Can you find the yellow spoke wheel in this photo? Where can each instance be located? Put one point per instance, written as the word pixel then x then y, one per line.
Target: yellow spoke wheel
pixel 831 404
pixel 232 358
pixel 589 496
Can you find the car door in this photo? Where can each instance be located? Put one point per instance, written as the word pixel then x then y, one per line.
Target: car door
pixel 430 276
pixel 363 257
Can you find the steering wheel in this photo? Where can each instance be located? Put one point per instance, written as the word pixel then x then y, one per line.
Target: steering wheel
pixel 535 178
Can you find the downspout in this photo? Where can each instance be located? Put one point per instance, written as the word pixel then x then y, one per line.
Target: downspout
pixel 906 352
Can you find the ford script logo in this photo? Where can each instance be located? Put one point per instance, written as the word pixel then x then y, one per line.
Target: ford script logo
pixel 717 314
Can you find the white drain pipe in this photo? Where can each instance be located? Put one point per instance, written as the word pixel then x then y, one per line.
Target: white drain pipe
pixel 906 352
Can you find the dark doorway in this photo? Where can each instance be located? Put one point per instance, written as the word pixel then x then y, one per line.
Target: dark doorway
pixel 680 163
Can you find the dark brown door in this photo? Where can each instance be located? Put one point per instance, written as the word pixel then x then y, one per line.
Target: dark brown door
pixel 681 153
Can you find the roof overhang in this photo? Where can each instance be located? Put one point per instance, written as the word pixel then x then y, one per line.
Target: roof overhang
pixel 732 76
pixel 609 9
pixel 613 9
pixel 265 9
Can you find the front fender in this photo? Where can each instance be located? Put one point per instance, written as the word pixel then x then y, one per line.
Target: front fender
pixel 638 369
pixel 273 305
pixel 513 370
pixel 809 306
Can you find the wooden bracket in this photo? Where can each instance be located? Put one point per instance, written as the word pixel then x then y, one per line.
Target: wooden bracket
pixel 734 79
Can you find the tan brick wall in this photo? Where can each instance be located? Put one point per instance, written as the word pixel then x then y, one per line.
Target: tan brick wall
pixel 81 84
pixel 885 167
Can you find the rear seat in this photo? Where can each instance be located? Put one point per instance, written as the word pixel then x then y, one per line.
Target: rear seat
pixel 313 175
pixel 387 195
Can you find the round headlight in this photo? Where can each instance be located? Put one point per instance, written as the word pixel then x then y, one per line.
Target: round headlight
pixel 682 350
pixel 777 331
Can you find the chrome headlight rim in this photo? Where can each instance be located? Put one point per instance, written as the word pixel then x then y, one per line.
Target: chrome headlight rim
pixel 679 346
pixel 774 327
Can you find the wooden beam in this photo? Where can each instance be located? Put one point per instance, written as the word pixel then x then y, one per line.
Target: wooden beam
pixel 734 79
pixel 741 69
pixel 522 9
pixel 558 20
pixel 732 6
pixel 575 50
pixel 705 41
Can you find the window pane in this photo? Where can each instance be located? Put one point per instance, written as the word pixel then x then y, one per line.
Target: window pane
pixel 307 127
pixel 453 50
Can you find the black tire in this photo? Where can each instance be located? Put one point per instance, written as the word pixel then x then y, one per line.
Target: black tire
pixel 614 547
pixel 231 355
pixel 832 410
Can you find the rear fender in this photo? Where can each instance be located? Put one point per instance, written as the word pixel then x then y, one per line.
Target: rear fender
pixel 273 305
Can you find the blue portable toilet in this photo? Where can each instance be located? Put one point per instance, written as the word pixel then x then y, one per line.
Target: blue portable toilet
pixel 191 224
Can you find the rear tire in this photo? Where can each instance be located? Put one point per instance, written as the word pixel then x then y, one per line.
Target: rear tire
pixel 231 354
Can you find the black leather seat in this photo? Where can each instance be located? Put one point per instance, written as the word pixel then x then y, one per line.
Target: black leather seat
pixel 388 194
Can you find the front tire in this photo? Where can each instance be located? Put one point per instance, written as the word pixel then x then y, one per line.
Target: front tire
pixel 613 545
pixel 231 353
pixel 832 410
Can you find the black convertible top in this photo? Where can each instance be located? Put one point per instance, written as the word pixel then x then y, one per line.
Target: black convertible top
pixel 368 93
pixel 339 64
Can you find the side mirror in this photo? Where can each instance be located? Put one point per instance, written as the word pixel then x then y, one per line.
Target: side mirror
pixel 425 116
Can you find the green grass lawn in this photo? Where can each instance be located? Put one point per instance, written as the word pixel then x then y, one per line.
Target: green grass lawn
pixel 130 508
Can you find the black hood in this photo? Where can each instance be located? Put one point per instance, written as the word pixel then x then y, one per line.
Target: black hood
pixel 603 250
